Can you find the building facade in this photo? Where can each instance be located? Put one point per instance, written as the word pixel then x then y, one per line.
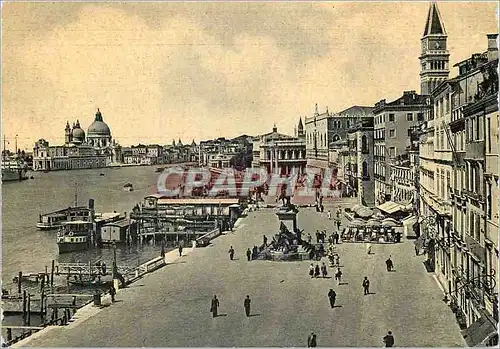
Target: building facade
pixel 459 192
pixel 79 151
pixel 394 123
pixel 279 153
pixel 323 129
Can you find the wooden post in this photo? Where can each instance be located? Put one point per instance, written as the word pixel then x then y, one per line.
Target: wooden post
pixel 29 310
pixel 52 275
pixel 24 307
pixel 19 280
pixel 57 269
pixel 42 298
pixel 9 334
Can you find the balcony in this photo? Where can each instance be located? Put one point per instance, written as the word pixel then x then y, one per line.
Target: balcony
pixel 474 150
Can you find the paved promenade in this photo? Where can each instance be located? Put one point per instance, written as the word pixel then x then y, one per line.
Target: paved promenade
pixel 170 307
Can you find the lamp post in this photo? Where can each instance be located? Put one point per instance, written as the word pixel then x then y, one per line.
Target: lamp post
pixel 115 267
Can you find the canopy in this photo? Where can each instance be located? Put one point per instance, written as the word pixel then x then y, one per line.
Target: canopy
pixel 364 212
pixel 357 223
pixel 373 223
pixel 390 207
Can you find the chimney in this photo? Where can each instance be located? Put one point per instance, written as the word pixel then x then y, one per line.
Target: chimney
pixel 492 47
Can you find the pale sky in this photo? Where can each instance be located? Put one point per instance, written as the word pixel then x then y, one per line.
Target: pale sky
pixel 163 71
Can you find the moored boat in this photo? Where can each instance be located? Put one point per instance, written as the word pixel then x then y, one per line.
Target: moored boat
pixel 57 219
pixel 128 187
pixel 74 236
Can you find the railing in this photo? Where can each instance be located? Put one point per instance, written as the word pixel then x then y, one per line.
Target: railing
pixel 205 239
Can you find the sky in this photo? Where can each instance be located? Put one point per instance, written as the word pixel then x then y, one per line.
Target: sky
pixel 192 70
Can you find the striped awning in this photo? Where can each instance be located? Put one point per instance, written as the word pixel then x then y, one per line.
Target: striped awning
pixel 390 207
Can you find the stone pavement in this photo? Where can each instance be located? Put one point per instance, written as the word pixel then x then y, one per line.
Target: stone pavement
pixel 170 307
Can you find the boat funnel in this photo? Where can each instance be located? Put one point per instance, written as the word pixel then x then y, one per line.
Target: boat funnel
pixel 91 204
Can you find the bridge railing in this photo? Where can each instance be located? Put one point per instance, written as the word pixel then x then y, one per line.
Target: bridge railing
pixel 204 240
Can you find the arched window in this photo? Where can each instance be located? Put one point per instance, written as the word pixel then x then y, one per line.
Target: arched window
pixel 364 145
pixel 365 171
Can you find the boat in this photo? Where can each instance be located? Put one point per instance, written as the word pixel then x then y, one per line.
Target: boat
pixel 74 236
pixel 57 219
pixel 159 169
pixel 128 187
pixel 101 174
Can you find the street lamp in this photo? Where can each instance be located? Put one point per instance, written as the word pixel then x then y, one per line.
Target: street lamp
pixel 115 267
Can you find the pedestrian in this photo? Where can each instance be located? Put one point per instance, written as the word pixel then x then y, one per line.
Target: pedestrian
pixel 309 238
pixel 366 286
pixel 336 237
pixel 338 275
pixel 265 240
pixel 332 296
pixel 180 250
pixel 311 270
pixel 112 292
pixel 214 306
pixel 336 259
pixel 338 224
pixel 231 253
pixel 246 304
pixel 389 264
pixel 416 250
pixel 316 271
pixel 322 208
pixel 311 340
pixel 323 270
pixel 369 248
pixel 329 215
pixel 249 254
pixel 389 340
pixel 317 236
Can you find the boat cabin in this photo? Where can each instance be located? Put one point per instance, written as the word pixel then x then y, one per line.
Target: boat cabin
pixel 117 231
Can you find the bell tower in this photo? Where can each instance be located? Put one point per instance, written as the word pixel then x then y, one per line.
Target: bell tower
pixel 434 60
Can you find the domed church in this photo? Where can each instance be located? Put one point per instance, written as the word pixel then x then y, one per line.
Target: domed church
pixel 92 150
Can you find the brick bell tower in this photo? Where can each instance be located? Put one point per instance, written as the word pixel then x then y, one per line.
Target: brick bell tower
pixel 434 60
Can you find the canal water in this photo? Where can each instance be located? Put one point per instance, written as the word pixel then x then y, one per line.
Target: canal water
pixel 27 249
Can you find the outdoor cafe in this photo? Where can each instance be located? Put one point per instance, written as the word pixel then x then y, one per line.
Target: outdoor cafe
pixel 370 226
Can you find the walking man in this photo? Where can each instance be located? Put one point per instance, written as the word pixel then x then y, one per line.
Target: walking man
pixel 231 253
pixel 247 305
pixel 338 224
pixel 366 286
pixel 249 254
pixel 112 293
pixel 336 237
pixel 311 270
pixel 180 250
pixel 332 296
pixel 323 270
pixel 329 215
pixel 311 340
pixel 389 340
pixel 214 306
pixel 338 275
pixel 265 240
pixel 316 271
pixel 389 264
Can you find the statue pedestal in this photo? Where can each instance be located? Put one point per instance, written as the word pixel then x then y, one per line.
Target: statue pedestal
pixel 289 219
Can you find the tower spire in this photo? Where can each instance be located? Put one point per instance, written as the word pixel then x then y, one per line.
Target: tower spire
pixel 434 24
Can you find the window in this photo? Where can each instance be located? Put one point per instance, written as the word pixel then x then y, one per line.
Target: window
pixel 391 117
pixel 392 152
pixel 364 145
pixel 392 133
pixel 488 198
pixel 365 170
pixel 420 116
pixel 409 116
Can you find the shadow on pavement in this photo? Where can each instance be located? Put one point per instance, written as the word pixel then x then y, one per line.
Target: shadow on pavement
pixel 337 306
pixel 343 283
pixel 221 315
pixel 251 315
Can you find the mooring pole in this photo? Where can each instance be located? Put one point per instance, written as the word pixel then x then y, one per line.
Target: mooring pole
pixel 29 310
pixel 52 275
pixel 24 307
pixel 20 277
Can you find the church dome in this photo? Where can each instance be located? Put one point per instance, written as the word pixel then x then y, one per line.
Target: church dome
pixel 78 133
pixel 98 127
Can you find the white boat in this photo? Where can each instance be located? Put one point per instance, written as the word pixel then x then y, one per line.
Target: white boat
pixel 74 236
pixel 57 219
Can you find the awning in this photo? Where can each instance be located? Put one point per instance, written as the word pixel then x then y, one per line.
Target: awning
pixel 390 207
pixel 318 163
pixel 479 332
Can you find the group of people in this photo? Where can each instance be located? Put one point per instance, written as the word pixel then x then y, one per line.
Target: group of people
pixel 314 271
pixel 215 304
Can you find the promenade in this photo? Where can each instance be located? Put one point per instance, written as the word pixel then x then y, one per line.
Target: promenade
pixel 170 307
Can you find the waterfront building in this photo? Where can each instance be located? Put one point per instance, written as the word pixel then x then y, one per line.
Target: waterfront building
pixel 279 153
pixel 96 149
pixel 466 241
pixel 339 160
pixel 394 123
pixel 325 128
pixel 221 152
